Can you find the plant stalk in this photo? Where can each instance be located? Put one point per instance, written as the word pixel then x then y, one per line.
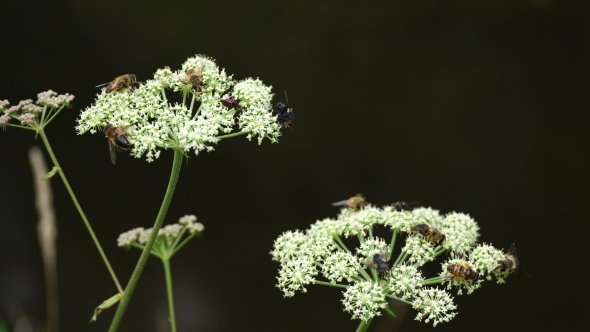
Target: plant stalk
pixel 148 246
pixel 168 274
pixel 79 208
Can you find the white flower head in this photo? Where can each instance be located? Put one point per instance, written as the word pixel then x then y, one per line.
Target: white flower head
pixel 152 123
pixel 326 228
pixel 484 258
pixel 187 219
pixel 359 221
pixel 295 274
pixel 256 117
pixel 371 247
pixel 427 214
pixel 318 247
pixel 364 300
pixel 419 248
pixel 405 280
pixel 49 103
pixel 460 230
pixel 287 246
pixel 195 228
pixel 171 231
pixel 126 238
pixel 434 305
pixel 397 219
pixel 341 265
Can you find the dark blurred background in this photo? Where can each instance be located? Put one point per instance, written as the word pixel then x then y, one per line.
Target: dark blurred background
pixel 479 107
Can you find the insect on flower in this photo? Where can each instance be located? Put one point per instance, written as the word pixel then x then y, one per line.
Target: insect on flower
pixel 230 103
pixel 120 83
pixel 357 202
pixel 431 233
pixel 195 78
pixel 285 114
pixel 402 206
pixel 511 264
pixel 379 262
pixel 463 271
pixel 117 137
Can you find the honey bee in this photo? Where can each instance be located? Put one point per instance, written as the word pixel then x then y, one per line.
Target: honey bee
pixel 379 262
pixel 120 83
pixel 402 206
pixel 285 114
pixel 355 202
pixel 117 137
pixel 230 103
pixel 463 271
pixel 431 233
pixel 510 262
pixel 195 78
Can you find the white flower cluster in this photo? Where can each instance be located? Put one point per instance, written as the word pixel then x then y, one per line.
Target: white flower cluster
pixel 167 235
pixel 370 277
pixel 36 115
pixel 153 123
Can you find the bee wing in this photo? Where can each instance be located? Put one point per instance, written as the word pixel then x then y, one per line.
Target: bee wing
pixel 341 203
pixel 103 84
pixel 512 250
pixel 369 263
pixel 113 152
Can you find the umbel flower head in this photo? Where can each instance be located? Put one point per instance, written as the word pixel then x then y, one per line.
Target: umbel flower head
pixel 34 115
pixel 372 272
pixel 169 240
pixel 152 123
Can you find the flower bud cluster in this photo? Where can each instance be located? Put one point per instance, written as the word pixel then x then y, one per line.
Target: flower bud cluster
pixel 35 115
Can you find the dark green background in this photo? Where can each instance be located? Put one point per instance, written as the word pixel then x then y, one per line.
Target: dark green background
pixel 472 106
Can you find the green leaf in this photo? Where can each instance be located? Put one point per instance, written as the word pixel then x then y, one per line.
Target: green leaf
pixel 389 311
pixel 51 173
pixel 105 305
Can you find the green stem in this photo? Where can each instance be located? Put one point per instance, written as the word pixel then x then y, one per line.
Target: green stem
pixel 177 239
pixel 193 103
pixel 75 200
pixel 432 281
pixel 439 251
pixel 339 241
pixel 364 325
pixel 52 117
pixel 148 246
pixel 182 244
pixel 323 283
pixel 164 95
pixel 393 238
pixel 232 135
pixel 398 299
pixel 365 274
pixel 170 294
pixel 19 126
pixel 43 114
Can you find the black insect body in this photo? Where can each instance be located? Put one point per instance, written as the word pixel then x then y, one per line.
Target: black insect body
pixel 382 265
pixel 284 113
pixel 402 206
pixel 379 262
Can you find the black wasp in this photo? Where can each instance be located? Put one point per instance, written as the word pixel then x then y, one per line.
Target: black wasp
pixel 285 114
